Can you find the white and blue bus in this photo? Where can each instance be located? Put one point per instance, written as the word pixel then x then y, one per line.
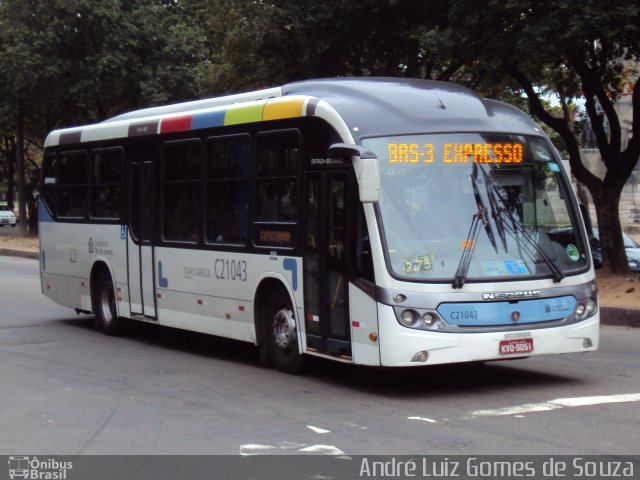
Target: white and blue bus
pixel 375 221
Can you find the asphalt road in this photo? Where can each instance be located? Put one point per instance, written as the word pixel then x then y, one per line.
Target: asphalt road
pixel 68 390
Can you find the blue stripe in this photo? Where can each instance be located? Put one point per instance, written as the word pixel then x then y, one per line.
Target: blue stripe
pixel 43 213
pixel 206 120
pixel 502 313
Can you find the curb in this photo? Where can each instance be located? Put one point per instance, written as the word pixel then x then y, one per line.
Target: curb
pixel 619 316
pixel 19 253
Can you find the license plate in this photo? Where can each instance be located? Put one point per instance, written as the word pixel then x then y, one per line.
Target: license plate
pixel 4 220
pixel 514 347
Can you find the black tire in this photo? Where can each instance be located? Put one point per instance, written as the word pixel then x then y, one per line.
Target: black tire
pixel 282 334
pixel 104 306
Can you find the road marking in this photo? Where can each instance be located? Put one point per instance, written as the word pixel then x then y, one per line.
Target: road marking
pixel 422 419
pixel 557 404
pixel 584 401
pixel 290 447
pixel 255 449
pixel 318 429
pixel 323 450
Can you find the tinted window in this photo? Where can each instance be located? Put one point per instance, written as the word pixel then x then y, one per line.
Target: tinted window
pixel 228 169
pixel 72 185
pixel 107 190
pixel 181 191
pixel 277 185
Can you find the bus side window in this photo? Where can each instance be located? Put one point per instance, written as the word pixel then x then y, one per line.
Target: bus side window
pixel 107 190
pixel 228 169
pixel 49 175
pixel 361 246
pixel 72 185
pixel 277 186
pixel 181 181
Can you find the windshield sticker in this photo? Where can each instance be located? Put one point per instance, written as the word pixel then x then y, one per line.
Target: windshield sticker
pixel 516 267
pixel 418 263
pixel 554 167
pixel 573 252
pixel 468 244
pixel 491 269
pixel 505 268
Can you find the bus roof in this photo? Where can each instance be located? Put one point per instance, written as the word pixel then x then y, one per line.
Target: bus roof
pixel 356 107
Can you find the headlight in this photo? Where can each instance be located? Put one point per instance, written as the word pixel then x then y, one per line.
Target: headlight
pixel 408 318
pixel 418 318
pixel 586 308
pixel 428 319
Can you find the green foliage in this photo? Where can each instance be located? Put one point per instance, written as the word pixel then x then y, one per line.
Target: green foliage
pixel 75 62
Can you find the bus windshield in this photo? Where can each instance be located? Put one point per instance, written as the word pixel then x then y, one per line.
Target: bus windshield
pixel 464 207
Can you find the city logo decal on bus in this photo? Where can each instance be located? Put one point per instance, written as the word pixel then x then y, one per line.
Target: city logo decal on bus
pixel 291 265
pixel 162 281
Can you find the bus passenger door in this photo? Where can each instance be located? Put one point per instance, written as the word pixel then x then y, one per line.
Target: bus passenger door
pixel 139 240
pixel 326 263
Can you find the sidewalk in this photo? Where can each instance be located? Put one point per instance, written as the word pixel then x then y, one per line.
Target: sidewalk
pixel 609 314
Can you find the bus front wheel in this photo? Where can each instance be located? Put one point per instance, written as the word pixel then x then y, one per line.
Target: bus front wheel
pixel 283 334
pixel 107 320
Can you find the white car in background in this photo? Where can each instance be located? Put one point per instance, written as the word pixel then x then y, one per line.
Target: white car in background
pixel 6 216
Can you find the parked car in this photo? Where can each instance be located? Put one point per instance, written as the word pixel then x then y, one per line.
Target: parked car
pixel 630 245
pixel 6 216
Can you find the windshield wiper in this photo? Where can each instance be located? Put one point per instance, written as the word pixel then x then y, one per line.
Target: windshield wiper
pixel 469 245
pixel 500 214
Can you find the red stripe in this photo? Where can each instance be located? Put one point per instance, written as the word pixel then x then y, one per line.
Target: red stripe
pixel 175 124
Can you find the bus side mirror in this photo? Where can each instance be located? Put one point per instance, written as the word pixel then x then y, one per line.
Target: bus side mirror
pixel 366 166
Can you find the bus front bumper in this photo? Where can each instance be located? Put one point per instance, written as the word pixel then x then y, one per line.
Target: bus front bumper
pixel 404 347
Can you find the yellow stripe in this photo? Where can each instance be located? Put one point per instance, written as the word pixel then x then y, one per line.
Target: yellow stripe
pixel 278 108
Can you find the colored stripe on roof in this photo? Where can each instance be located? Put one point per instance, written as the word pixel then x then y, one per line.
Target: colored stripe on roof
pixel 175 124
pixel 208 119
pixel 240 113
pixel 244 114
pixel 279 108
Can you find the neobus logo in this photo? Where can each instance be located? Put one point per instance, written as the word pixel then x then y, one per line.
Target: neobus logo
pixel 511 295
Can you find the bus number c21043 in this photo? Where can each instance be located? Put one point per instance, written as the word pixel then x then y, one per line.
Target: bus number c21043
pixel 235 270
pixel 463 314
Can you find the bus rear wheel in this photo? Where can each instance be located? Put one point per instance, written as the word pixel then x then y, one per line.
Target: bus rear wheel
pixel 107 320
pixel 283 334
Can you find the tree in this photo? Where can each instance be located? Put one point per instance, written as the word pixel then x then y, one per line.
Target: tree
pixel 576 49
pixel 255 44
pixel 67 63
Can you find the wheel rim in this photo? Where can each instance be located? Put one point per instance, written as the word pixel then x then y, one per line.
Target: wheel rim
pixel 107 304
pixel 284 329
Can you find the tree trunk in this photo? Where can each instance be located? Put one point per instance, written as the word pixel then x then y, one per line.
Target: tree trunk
pixel 11 171
pixel 607 201
pixel 22 211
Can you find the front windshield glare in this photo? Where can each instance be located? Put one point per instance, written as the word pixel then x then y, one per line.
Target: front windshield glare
pixel 474 206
